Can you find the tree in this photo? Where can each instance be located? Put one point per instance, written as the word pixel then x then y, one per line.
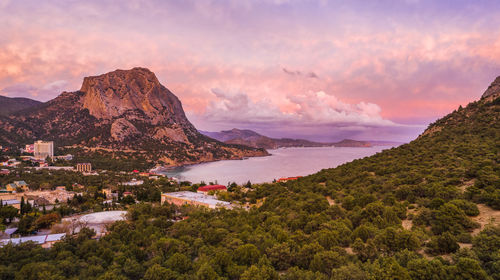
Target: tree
pixel 47 220
pixel 326 261
pixel 450 218
pixel 179 262
pixel 468 268
pixel 280 256
pixel 157 272
pixel 128 200
pixel 247 254
pixel 306 254
pixel 387 268
pixel 349 272
pixel 206 272
pixel 7 213
pixel 422 269
pixel 38 270
pixel 21 208
pixel 443 244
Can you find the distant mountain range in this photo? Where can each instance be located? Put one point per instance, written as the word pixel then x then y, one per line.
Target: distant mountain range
pixel 253 139
pixel 122 114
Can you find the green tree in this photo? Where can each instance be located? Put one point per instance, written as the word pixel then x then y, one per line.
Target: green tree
pixel 7 213
pixel 247 254
pixel 206 272
pixel 179 262
pixel 157 272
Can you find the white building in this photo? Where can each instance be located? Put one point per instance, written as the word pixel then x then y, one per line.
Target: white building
pixel 186 197
pixel 133 182
pixel 44 149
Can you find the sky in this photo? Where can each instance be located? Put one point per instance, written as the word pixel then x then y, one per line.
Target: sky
pixel 315 69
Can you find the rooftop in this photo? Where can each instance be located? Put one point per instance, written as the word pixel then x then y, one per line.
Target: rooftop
pixel 199 197
pixel 212 188
pixel 10 231
pixel 38 239
pixel 10 201
pixel 104 217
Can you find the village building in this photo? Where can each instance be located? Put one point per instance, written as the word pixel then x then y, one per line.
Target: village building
pixel 283 180
pixel 12 202
pixel 43 149
pixel 133 182
pixel 29 148
pixel 192 198
pixel 49 197
pixel 67 157
pixel 12 187
pixel 44 166
pixel 84 167
pixel 46 240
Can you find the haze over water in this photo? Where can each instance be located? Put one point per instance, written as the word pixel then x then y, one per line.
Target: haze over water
pixel 283 163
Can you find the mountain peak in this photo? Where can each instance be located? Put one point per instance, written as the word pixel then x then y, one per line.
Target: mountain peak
pixel 493 89
pixel 141 77
pixel 131 93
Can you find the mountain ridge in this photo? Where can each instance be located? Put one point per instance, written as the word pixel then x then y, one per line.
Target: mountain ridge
pixel 253 139
pixel 10 105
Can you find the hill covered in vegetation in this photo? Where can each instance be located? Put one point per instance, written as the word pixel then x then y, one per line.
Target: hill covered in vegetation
pixel 409 212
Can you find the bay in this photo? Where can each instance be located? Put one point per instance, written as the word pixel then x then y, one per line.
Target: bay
pixel 284 162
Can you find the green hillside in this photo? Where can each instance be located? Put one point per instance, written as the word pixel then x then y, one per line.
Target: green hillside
pixel 410 212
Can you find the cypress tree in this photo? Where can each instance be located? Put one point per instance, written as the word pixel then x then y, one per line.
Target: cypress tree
pixel 22 206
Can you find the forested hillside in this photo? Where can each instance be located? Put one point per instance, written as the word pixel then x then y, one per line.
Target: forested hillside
pixel 406 213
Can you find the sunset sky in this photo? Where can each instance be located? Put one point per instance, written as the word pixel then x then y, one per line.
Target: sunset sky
pixel 322 70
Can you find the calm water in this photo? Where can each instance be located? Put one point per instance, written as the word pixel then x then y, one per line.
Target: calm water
pixel 283 163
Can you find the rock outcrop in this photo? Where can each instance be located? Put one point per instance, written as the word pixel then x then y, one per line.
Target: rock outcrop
pixel 121 129
pixel 493 89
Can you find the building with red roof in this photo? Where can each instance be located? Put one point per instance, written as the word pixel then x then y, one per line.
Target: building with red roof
pixel 206 189
pixel 288 179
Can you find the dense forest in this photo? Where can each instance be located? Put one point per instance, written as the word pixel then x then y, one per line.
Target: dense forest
pixel 405 213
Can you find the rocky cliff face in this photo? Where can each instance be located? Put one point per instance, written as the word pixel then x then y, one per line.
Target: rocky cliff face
pixel 135 95
pixel 493 89
pixel 119 111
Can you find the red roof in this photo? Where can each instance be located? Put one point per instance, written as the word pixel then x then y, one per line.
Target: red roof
pixel 212 188
pixel 288 179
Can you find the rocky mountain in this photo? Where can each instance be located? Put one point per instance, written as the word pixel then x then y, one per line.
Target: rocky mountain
pixel 10 105
pixel 253 139
pixel 125 112
pixel 493 90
